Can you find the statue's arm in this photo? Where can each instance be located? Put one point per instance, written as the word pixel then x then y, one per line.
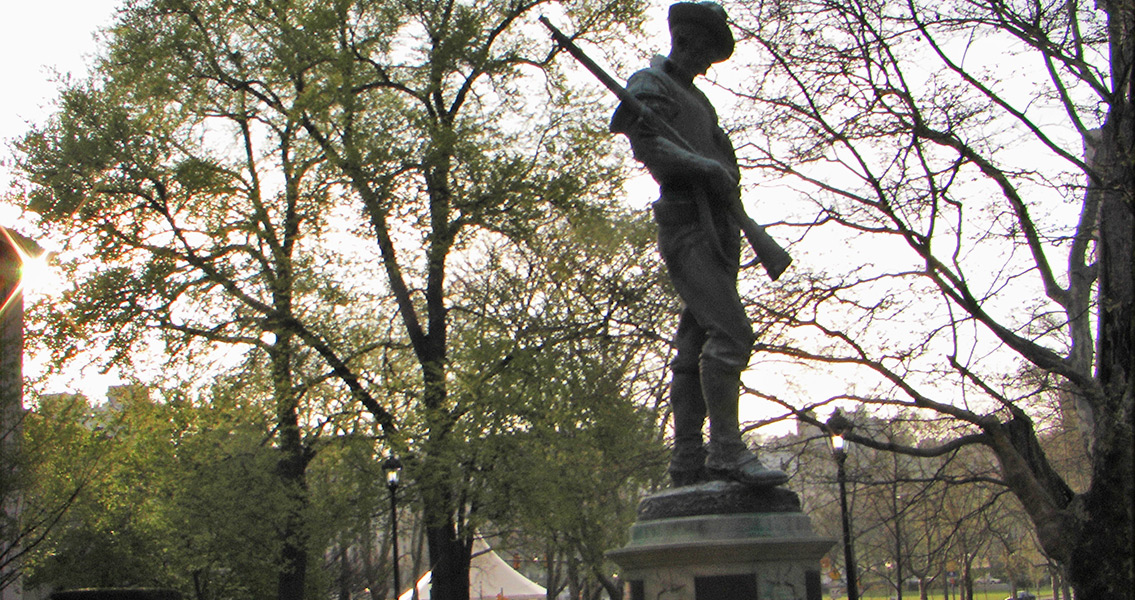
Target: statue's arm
pixel 665 159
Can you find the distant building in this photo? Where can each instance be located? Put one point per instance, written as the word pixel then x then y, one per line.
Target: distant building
pixel 13 249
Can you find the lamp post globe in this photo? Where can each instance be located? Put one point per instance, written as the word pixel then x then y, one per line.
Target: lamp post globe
pixel 393 469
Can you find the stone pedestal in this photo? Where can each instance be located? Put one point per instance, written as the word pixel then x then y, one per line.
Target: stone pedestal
pixel 722 541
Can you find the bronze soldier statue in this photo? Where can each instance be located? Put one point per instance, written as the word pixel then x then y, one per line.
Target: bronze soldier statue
pixel 699 239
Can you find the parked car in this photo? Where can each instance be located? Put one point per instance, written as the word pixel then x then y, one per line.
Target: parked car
pixel 1023 595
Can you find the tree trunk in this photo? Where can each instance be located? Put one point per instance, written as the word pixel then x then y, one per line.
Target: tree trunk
pixel 449 560
pixel 373 574
pixel 1101 563
pixel 292 471
pixel 967 578
pixel 609 585
pixel 293 552
pixel 552 582
pixel 449 552
pixel 574 591
pixel 344 573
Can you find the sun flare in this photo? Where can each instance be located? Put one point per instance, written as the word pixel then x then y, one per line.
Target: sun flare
pixel 37 276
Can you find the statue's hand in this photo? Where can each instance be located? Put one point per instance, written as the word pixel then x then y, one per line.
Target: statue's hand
pixel 723 180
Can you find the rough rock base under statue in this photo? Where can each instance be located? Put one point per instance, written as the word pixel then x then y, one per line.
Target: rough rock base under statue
pixel 717 498
pixel 722 541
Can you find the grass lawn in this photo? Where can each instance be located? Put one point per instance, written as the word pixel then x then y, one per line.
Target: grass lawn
pixel 979 593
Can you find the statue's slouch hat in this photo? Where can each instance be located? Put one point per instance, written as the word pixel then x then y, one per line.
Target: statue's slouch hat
pixel 712 17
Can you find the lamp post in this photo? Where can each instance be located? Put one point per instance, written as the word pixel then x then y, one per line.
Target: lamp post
pixel 393 468
pixel 837 426
pixel 899 506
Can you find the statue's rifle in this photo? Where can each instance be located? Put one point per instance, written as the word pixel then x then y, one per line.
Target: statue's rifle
pixel 769 253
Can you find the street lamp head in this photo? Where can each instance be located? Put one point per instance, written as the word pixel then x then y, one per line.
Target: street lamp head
pixel 838 425
pixel 393 468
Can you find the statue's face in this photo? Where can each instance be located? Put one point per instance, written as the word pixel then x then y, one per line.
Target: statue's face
pixel 692 47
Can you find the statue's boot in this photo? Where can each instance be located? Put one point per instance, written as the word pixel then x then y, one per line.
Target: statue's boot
pixel 687 461
pixel 729 458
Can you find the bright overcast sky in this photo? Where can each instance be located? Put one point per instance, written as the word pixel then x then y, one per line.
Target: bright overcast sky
pixel 38 39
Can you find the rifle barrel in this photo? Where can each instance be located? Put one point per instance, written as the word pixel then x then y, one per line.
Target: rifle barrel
pixel 565 42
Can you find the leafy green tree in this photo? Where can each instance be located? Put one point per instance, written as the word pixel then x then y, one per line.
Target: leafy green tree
pixel 110 530
pixel 221 544
pixel 225 156
pixel 977 158
pixel 556 347
pixel 51 486
pixel 569 436
pixel 350 508
pixel 184 493
pixel 164 495
pixel 471 162
pixel 201 212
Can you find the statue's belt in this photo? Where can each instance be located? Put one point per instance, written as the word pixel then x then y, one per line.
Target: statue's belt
pixel 675 212
pixel 669 211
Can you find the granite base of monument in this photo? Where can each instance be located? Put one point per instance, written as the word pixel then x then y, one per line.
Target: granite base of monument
pixel 722 541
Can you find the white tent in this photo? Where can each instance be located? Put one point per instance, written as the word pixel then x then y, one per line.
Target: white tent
pixel 489 578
